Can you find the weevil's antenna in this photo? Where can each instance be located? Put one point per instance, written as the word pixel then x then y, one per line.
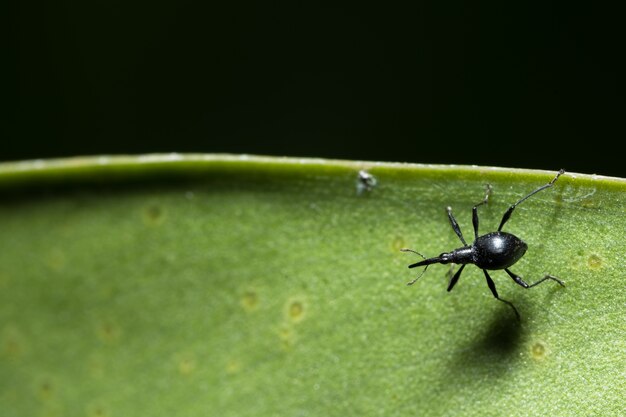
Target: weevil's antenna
pixel 417 253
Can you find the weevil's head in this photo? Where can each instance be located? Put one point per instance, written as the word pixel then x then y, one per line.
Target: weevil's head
pixel 444 258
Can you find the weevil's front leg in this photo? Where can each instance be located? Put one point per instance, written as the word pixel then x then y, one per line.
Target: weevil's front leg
pixel 508 213
pixel 475 210
pixel 455 225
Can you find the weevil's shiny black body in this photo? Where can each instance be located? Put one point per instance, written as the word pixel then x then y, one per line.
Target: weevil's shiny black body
pixel 492 251
pixel 496 250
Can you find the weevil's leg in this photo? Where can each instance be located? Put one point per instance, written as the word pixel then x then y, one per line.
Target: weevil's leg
pixel 475 210
pixel 521 282
pixel 455 225
pixel 508 213
pixel 455 278
pixel 492 287
pixel 450 273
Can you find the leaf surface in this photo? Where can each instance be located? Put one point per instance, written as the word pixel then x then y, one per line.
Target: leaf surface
pixel 251 286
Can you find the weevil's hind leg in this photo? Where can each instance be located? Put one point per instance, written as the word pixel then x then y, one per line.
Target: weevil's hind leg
pixel 455 278
pixel 492 287
pixel 455 225
pixel 475 210
pixel 521 282
pixel 508 213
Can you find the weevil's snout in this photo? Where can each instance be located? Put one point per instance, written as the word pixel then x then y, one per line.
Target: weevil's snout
pixel 436 260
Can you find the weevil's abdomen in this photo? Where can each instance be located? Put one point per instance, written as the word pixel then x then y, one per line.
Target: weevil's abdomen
pixel 498 250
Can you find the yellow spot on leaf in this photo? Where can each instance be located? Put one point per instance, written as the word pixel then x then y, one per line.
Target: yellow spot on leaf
pixel 295 310
pixel 233 366
pixel 153 215
pixel 186 366
pixel 250 300
pixel 45 388
pixel 538 350
pixel 13 345
pixel 108 332
pixel 398 243
pixel 97 410
pixel 287 337
pixel 594 262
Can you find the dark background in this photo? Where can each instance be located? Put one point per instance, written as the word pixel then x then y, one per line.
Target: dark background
pixel 517 84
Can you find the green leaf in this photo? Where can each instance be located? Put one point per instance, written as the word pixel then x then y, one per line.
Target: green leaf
pixel 248 286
